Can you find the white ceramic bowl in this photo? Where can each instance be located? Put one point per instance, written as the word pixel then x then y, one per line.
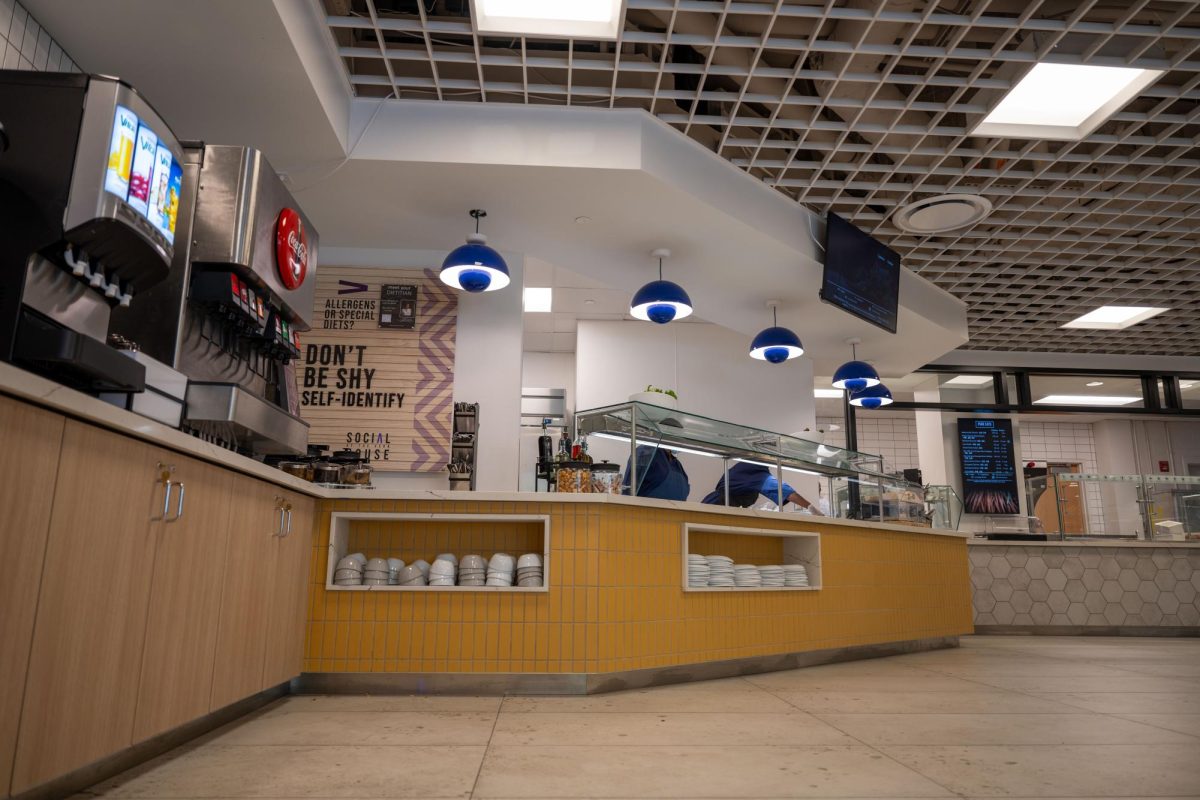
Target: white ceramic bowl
pixel 453 559
pixel 502 561
pixel 411 573
pixel 395 563
pixel 529 560
pixel 359 557
pixel 472 562
pixel 343 574
pixel 442 567
pixel 378 564
pixel 375 582
pixel 349 562
pixel 422 565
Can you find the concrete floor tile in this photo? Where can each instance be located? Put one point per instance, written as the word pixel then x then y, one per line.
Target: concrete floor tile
pixel 1182 723
pixel 359 771
pixel 616 728
pixel 357 727
pixel 1064 770
pixel 800 680
pixel 732 695
pixel 972 729
pixel 696 772
pixel 356 702
pixel 972 702
pixel 1038 684
pixel 1134 702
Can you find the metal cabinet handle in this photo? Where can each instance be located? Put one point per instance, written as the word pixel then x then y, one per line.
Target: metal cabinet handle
pixel 164 477
pixel 166 500
pixel 288 511
pixel 178 505
pixel 279 525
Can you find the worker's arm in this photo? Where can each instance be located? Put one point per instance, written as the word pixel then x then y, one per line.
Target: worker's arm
pixel 770 490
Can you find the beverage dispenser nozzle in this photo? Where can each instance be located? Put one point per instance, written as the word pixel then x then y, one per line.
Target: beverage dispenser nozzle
pixel 79 265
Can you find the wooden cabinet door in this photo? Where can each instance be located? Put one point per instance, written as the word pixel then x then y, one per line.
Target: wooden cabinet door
pixel 91 618
pixel 289 601
pixel 31 438
pixel 250 562
pixel 185 599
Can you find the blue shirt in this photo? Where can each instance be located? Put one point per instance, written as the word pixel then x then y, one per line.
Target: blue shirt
pixel 659 475
pixel 746 483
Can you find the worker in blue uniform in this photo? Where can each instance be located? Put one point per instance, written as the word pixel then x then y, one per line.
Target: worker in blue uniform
pixel 659 475
pixel 747 482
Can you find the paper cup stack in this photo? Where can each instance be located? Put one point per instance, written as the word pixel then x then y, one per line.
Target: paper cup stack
pixel 472 571
pixel 772 576
pixel 443 572
pixel 500 570
pixel 720 571
pixel 795 575
pixel 746 575
pixel 376 573
pixel 349 571
pixel 394 567
pixel 697 570
pixel 529 570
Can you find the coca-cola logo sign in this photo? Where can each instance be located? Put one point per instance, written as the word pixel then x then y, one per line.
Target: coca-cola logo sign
pixel 291 248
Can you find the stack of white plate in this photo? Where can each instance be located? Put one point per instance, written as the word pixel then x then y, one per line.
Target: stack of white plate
pixel 376 573
pixel 394 567
pixel 349 571
pixel 698 570
pixel 442 572
pixel 772 576
pixel 795 575
pixel 472 571
pixel 500 570
pixel 412 576
pixel 529 570
pixel 746 575
pixel 720 571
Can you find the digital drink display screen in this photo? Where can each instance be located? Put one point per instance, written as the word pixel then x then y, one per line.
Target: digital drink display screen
pixel 143 173
pixel 862 275
pixel 989 469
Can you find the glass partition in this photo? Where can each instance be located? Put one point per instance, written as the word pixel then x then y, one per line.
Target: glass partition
pixel 944 505
pixel 1123 506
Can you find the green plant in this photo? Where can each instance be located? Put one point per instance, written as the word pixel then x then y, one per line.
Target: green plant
pixel 670 392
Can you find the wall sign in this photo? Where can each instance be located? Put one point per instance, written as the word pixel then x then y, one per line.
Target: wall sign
pixel 386 390
pixel 989 470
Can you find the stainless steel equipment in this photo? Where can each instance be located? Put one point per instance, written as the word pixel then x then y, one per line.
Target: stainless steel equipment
pixel 90 180
pixel 231 313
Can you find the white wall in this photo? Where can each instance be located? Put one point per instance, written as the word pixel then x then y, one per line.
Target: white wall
pixel 24 44
pixel 709 368
pixel 893 436
pixel 487 368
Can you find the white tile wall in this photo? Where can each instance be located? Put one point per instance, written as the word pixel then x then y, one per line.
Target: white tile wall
pixel 1066 442
pixel 24 44
pixel 892 437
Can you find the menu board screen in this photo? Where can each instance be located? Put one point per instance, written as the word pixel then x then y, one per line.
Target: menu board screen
pixel 143 172
pixel 862 275
pixel 989 470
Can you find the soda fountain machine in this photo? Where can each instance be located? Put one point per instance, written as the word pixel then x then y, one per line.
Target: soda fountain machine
pixel 240 292
pixel 90 186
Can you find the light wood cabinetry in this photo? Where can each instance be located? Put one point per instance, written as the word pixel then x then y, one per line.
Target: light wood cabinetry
pixel 252 559
pixel 185 598
pixel 86 655
pixel 31 439
pixel 289 600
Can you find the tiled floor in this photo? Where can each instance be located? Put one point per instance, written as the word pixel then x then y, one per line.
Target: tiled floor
pixel 999 717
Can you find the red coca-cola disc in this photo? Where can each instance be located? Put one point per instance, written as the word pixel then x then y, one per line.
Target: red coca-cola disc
pixel 291 249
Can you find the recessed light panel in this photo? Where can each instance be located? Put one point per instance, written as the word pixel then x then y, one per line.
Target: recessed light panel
pixel 1085 400
pixel 538 300
pixel 1064 101
pixel 567 19
pixel 1114 318
pixel 969 380
pixel 827 393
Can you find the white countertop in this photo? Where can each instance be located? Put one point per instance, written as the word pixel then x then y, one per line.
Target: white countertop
pixel 43 392
pixel 1082 543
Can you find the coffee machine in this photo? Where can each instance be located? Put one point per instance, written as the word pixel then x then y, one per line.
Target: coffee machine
pixel 90 183
pixel 240 292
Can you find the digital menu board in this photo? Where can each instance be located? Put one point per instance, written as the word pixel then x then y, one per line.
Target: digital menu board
pixel 989 469
pixel 862 275
pixel 143 173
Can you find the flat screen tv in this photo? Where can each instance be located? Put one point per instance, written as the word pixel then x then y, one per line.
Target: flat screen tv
pixel 989 469
pixel 862 275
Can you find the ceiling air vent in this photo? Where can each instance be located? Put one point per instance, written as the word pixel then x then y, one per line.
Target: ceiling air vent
pixel 946 212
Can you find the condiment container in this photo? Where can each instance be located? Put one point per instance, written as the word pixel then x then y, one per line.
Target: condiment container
pixel 357 474
pixel 574 477
pixel 326 472
pixel 300 468
pixel 606 478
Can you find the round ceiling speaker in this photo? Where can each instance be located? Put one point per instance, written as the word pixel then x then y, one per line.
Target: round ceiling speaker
pixel 946 212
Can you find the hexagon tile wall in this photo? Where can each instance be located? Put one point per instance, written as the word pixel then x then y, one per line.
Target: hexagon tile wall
pixel 1040 585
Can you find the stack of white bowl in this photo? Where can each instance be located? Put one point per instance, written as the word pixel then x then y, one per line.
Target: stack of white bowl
pixel 443 572
pixel 529 570
pixel 412 576
pixel 500 570
pixel 422 565
pixel 349 571
pixel 472 571
pixel 376 573
pixel 698 570
pixel 394 567
pixel 720 571
pixel 772 576
pixel 746 575
pixel 795 575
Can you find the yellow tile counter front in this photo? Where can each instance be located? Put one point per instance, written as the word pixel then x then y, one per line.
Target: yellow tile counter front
pixel 615 601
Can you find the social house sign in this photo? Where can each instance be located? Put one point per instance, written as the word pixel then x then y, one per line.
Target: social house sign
pixel 372 382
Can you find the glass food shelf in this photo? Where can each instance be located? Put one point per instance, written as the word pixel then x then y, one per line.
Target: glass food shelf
pixel 691 433
pixel 1094 505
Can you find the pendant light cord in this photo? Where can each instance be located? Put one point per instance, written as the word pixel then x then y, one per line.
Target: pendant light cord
pixel 775 316
pixel 660 269
pixel 477 213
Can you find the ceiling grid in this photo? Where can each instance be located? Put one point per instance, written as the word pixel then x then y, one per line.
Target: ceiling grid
pixel 863 106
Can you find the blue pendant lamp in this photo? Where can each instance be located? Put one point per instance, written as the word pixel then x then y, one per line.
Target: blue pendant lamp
pixel 855 375
pixel 775 344
pixel 875 396
pixel 661 301
pixel 475 267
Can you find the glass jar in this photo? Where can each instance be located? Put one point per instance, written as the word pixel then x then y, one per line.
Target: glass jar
pixel 574 477
pixel 327 472
pixel 357 474
pixel 301 468
pixel 606 478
